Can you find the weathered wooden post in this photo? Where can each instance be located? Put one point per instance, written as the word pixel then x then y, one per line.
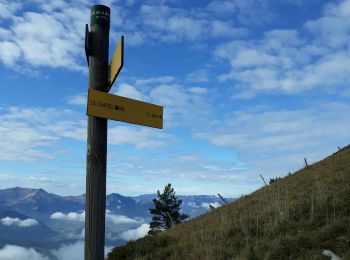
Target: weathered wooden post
pixel 102 106
pixel 96 46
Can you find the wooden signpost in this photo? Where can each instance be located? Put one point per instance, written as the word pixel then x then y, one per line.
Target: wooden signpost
pixel 103 106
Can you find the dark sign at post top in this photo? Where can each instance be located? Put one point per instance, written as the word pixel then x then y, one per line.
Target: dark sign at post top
pixel 100 14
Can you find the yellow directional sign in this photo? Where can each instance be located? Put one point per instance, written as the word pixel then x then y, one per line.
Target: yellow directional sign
pixel 117 62
pixel 101 104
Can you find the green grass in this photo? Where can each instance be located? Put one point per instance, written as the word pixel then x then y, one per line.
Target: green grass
pixel 293 218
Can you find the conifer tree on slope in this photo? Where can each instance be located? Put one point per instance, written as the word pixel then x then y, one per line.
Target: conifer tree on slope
pixel 166 211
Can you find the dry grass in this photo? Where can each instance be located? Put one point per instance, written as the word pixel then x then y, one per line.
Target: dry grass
pixel 294 218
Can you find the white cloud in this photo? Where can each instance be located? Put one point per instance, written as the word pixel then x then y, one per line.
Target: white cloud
pixel 290 61
pixel 30 133
pixel 175 24
pixel 206 205
pixel 182 106
pixel 192 204
pixel 247 12
pixel 10 180
pixel 331 29
pixel 139 137
pixel 155 80
pixel 8 221
pixel 80 217
pixel 40 179
pixel 133 234
pixel 198 90
pixel 71 129
pixel 82 233
pixel 283 127
pixel 28 222
pixel 220 28
pixel 10 252
pixel 129 91
pixel 52 5
pixel 191 189
pixel 6 177
pixel 7 9
pixel 58 215
pixel 71 251
pixel 120 219
pixel 78 100
pixel 136 38
pixel 4 34
pixel 10 52
pixel 183 28
pixel 193 168
pixel 57 44
pixel 223 7
pixel 26 132
pixel 277 141
pixel 189 158
pixel 71 216
pixel 200 75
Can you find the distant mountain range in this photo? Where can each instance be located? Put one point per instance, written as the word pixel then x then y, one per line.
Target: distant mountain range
pixel 37 203
pixel 36 218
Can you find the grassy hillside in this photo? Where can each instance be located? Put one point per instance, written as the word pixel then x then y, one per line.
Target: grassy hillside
pixel 293 218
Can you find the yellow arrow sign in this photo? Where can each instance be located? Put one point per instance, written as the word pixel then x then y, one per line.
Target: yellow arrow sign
pixel 117 62
pixel 101 104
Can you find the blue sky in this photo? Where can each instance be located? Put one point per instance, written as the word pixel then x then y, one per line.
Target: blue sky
pixel 248 88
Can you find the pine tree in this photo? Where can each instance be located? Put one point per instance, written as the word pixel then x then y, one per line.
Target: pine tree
pixel 166 211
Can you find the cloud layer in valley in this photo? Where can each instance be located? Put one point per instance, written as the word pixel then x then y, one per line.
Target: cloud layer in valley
pixel 10 252
pixel 8 221
pixel 133 234
pixel 70 251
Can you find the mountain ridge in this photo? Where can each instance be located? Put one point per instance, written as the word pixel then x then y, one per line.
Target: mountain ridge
pixel 61 218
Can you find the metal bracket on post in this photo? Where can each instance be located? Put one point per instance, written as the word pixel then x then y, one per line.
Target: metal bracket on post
pixel 87 43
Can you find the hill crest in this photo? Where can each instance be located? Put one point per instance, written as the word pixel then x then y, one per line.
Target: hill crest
pixel 296 217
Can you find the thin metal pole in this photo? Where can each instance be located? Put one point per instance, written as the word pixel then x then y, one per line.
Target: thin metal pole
pixel 263 179
pixel 96 158
pixel 222 198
